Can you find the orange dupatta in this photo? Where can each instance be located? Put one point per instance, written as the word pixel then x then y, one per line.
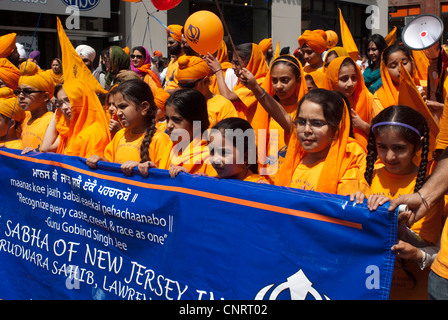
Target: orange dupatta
pixel 223 58
pixel 361 97
pixel 337 162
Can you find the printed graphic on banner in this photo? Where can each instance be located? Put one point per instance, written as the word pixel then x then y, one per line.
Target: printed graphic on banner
pixel 67 232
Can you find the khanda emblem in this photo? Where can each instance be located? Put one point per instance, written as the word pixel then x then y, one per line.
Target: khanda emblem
pixel 193 34
pixel 75 70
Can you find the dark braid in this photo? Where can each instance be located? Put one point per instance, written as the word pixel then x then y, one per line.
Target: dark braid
pixel 422 171
pixel 372 155
pixel 138 91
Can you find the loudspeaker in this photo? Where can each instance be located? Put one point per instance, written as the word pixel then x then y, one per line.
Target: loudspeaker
pixel 423 32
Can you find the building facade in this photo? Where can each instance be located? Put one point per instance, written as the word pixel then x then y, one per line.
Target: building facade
pixel 101 23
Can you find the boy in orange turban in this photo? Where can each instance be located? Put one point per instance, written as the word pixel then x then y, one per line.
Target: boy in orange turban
pixel 35 89
pixel 193 72
pixel 9 74
pixel 8 48
pixel 313 43
pixel 11 117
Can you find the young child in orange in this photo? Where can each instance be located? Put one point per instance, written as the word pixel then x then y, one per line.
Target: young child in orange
pixel 233 152
pixel 398 133
pixel 139 141
pixel 34 91
pixel 186 122
pixel 321 155
pixel 11 117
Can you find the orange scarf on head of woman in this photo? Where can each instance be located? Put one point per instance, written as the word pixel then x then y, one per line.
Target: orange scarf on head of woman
pixel 337 162
pixel 256 65
pixel 361 97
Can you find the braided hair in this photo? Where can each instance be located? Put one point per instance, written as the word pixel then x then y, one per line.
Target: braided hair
pixel 409 119
pixel 138 91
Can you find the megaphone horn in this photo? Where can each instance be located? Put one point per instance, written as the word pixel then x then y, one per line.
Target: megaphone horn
pixel 422 32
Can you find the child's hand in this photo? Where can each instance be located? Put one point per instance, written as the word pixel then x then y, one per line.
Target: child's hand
pixel 144 168
pixel 374 201
pixel 407 251
pixel 27 150
pixel 92 161
pixel 174 171
pixel 128 166
pixel 358 197
pixel 114 126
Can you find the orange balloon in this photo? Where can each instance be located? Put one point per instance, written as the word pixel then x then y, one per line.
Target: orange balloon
pixel 204 32
pixel 332 39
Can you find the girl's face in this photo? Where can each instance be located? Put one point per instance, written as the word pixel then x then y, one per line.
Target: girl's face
pixel 63 104
pixel 112 108
pixel 227 160
pixel 284 83
pixel 56 66
pixel 313 131
pixel 395 152
pixel 130 115
pixel 394 67
pixel 310 83
pixel 177 126
pixel 30 98
pixel 137 58
pixel 348 80
pixel 236 64
pixel 373 52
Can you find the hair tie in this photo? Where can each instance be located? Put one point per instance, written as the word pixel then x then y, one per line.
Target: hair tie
pixel 397 124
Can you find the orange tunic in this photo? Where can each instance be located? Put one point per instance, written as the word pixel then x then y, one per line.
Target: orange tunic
pixel 33 131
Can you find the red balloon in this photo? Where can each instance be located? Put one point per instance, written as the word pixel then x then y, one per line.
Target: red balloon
pixel 165 4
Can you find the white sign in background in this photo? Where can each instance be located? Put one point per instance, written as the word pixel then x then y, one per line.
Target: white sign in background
pixel 87 8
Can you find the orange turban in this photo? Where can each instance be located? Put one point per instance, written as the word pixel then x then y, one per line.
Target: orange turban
pixel 9 73
pixel 157 53
pixel 316 40
pixel 10 109
pixel 175 31
pixel 191 68
pixel 7 44
pixel 35 77
pixel 160 97
pixel 265 44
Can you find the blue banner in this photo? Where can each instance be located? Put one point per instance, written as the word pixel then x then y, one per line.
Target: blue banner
pixel 68 232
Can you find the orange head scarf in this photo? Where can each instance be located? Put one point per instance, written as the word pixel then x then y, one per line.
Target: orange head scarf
pixel 261 117
pixel 11 109
pixel 223 57
pixel 340 52
pixel 256 65
pixel 35 77
pixel 265 44
pixel 318 78
pixel 9 73
pixel 316 40
pixel 361 97
pixel 191 68
pixel 7 44
pixel 88 118
pixel 336 163
pixel 175 31
pixel 160 97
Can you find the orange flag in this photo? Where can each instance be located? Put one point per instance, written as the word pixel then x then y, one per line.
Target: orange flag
pixel 347 39
pixel 72 65
pixel 391 37
pixel 410 96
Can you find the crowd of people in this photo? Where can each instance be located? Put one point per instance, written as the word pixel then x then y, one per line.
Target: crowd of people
pixel 316 119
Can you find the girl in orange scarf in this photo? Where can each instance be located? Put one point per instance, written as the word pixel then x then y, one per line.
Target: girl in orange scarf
pixel 79 126
pixel 252 58
pixel 344 76
pixel 56 71
pixel 278 98
pixel 222 56
pixel 186 122
pixel 321 156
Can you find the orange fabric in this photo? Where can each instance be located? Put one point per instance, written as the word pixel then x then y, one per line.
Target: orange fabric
pixel 151 76
pixel 157 53
pixel 7 44
pixel 175 32
pixel 57 78
pixel 35 77
pixel 388 92
pixel 220 108
pixel 253 177
pixel 13 144
pixel 421 65
pixel 33 131
pixel 338 162
pixel 316 40
pixel 340 52
pixel 10 108
pixel 262 120
pixel 223 58
pixel 160 97
pixel 195 158
pixel 126 146
pixel 347 39
pixel 361 99
pixel 265 44
pixel 318 78
pixel 171 79
pixel 9 73
pixel 409 95
pixel 72 64
pixel 88 129
pixel 6 92
pixel 191 68
pixel 391 37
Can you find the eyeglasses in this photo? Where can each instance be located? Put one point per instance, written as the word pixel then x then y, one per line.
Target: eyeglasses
pixel 138 56
pixel 26 92
pixel 313 123
pixel 189 85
